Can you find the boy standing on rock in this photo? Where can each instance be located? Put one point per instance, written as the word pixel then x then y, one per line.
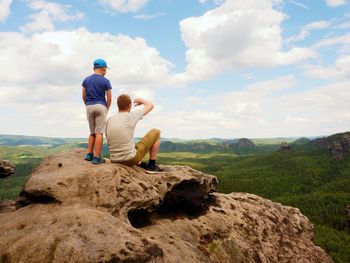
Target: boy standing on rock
pixel 97 97
pixel 120 135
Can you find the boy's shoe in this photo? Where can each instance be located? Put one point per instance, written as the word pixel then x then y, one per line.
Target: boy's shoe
pixel 89 157
pixel 98 160
pixel 154 168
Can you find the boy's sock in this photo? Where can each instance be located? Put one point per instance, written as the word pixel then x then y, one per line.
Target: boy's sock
pixel 151 162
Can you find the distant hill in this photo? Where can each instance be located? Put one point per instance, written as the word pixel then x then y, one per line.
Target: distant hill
pixel 20 140
pixel 238 146
pixel 338 145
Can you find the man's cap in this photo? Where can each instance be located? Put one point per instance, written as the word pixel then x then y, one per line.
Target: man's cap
pixel 100 63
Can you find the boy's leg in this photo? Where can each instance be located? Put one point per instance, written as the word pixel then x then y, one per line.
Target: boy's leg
pixel 98 144
pixel 91 141
pixel 100 126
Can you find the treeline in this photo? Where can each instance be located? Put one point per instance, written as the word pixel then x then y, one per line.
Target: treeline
pixel 11 186
pixel 220 147
pixel 307 178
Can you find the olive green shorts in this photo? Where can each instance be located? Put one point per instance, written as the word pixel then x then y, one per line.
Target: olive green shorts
pixel 144 146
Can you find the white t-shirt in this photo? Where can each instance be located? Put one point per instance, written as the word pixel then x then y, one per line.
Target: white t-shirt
pixel 120 130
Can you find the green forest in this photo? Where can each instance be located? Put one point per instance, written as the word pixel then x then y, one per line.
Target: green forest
pixel 306 177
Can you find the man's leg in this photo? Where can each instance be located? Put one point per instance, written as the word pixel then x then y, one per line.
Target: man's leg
pixel 149 144
pixel 154 150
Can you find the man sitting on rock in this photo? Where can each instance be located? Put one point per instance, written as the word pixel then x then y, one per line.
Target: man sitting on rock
pixel 120 133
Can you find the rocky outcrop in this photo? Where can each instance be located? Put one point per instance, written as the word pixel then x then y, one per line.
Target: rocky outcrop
pixel 72 211
pixel 6 168
pixel 285 147
pixel 7 206
pixel 338 145
pixel 245 143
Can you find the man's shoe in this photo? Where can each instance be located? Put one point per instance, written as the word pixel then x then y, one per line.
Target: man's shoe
pixel 98 160
pixel 143 165
pixel 154 168
pixel 89 157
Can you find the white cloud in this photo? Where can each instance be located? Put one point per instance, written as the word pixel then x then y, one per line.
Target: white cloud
pixel 322 24
pixel 236 35
pixel 335 3
pixel 4 9
pixel 125 6
pixel 217 2
pixel 47 69
pixel 290 120
pixel 344 25
pixel 247 102
pixel 148 17
pixel 339 72
pixel 270 108
pixel 332 41
pixel 49 12
pixel 305 31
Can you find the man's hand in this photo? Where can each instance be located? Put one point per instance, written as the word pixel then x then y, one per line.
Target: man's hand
pixel 148 105
pixel 139 101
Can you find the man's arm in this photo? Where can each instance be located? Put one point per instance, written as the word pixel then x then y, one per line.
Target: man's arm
pixel 148 106
pixel 109 98
pixel 84 95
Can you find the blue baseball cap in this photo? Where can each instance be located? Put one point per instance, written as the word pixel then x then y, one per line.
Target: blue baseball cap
pixel 100 63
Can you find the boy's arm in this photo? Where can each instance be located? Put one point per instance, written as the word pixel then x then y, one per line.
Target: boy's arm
pixel 109 98
pixel 106 128
pixel 84 95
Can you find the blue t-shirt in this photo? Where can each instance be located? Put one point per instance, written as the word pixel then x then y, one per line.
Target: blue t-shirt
pixel 95 87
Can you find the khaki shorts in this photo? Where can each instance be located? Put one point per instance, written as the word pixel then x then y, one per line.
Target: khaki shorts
pixel 144 146
pixel 96 115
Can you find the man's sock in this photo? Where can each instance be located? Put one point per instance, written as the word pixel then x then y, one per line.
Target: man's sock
pixel 151 162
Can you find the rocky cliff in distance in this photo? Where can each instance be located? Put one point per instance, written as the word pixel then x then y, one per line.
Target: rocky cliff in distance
pixel 72 211
pixel 338 145
pixel 285 147
pixel 245 143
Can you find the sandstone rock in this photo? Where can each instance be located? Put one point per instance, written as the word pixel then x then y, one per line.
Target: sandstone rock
pixel 6 168
pixel 72 211
pixel 285 147
pixel 7 206
pixel 245 143
pixel 338 145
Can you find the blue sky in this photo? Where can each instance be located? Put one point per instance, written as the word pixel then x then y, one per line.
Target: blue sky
pixel 213 68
